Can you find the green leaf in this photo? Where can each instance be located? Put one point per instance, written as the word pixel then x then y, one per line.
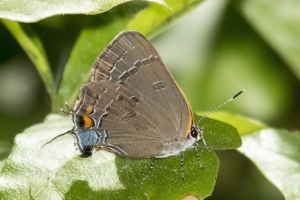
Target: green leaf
pixel 276 154
pixel 101 29
pixel 35 10
pixel 160 16
pixel 56 171
pixel 219 135
pixel 32 45
pixel 278 23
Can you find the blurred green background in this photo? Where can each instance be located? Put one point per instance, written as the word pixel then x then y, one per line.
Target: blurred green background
pixel 213 52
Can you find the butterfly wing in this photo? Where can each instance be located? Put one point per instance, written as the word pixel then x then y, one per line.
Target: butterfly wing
pixel 132 61
pixel 139 107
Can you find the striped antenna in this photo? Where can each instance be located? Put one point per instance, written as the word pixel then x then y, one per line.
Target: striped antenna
pixel 216 108
pixel 70 109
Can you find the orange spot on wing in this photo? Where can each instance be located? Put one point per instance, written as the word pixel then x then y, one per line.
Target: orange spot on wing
pixel 89 110
pixel 88 122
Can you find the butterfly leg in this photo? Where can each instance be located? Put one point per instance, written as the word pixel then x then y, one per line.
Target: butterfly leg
pixel 198 156
pixel 182 165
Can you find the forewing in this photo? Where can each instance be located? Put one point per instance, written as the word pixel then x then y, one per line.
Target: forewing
pixel 131 61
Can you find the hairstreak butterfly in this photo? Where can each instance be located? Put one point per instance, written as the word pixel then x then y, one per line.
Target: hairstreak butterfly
pixel 132 106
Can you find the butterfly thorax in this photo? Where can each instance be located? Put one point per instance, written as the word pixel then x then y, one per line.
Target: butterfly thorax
pixel 178 145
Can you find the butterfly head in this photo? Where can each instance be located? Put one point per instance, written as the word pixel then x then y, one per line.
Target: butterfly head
pixel 197 133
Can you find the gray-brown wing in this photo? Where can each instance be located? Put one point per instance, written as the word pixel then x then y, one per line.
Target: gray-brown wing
pixel 128 123
pixel 131 61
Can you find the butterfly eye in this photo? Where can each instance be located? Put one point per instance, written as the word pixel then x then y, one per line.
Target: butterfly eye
pixel 194 133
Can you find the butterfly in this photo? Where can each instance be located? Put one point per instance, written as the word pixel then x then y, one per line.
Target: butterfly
pixel 133 107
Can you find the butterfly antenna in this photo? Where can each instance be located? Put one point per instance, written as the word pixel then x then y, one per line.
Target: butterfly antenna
pixel 57 137
pixel 216 108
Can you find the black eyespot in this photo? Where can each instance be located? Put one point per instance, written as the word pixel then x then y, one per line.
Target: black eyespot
pixel 79 121
pixel 194 133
